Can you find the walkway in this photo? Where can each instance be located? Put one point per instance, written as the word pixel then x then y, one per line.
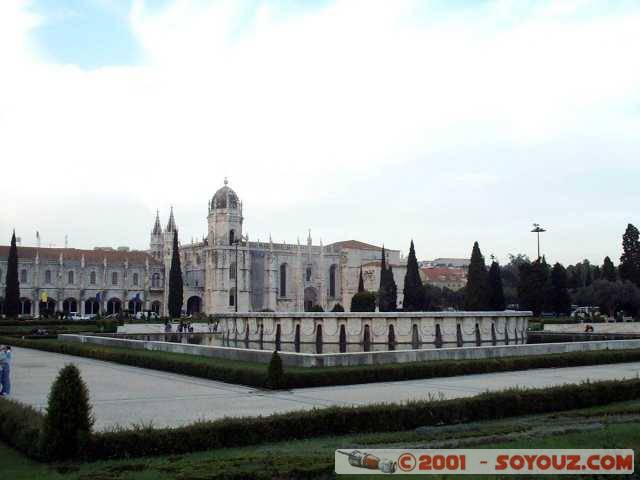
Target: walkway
pixel 122 395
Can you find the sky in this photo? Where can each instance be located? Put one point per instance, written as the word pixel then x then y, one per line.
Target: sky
pixel 445 122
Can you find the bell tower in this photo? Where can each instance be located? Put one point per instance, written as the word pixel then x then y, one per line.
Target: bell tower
pixel 225 217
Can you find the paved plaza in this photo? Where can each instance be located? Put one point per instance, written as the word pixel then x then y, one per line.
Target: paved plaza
pixel 122 395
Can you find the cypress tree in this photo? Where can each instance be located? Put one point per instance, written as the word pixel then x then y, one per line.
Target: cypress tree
pixel 67 424
pixel 496 291
pixel 361 282
pixel 477 289
pixel 413 290
pixel 12 282
pixel 175 281
pixel 560 298
pixel 533 286
pixel 609 270
pixel 388 291
pixel 629 268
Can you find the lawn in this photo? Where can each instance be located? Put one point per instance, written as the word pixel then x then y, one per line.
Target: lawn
pixel 613 426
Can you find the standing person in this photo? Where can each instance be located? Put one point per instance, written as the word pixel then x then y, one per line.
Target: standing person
pixel 5 365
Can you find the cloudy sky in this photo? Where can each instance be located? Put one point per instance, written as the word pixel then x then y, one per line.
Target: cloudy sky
pixel 445 121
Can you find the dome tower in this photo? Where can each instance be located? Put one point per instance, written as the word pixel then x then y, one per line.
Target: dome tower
pixel 225 217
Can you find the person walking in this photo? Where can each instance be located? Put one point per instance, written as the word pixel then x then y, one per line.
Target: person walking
pixel 5 366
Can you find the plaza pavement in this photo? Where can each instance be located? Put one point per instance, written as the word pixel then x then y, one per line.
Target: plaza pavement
pixel 122 395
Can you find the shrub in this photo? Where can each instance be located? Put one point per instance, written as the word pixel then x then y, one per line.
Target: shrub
pixel 334 421
pixel 68 421
pixel 337 308
pixel 363 302
pixel 317 308
pixel 275 372
pixel 20 427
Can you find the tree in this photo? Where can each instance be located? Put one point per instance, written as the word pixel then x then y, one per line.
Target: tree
pixel 533 287
pixel 12 282
pixel 609 270
pixel 317 308
pixel 337 308
pixel 433 298
pixel 496 292
pixel 560 298
pixel 413 292
pixel 388 291
pixel 275 372
pixel 629 268
pixel 363 302
pixel 477 298
pixel 614 296
pixel 510 274
pixel 68 421
pixel 175 281
pixel 361 282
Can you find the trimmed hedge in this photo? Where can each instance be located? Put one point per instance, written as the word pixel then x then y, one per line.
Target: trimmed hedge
pixel 20 425
pixel 238 432
pixel 255 374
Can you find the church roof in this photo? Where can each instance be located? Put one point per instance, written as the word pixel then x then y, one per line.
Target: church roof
pixel 157 229
pixel 355 245
pixel 171 224
pixel 136 257
pixel 225 197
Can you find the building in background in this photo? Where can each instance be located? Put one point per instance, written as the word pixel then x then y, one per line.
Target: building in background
pixel 221 272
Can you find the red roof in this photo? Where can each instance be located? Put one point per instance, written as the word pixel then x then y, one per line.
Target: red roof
pixel 90 256
pixel 444 274
pixel 355 245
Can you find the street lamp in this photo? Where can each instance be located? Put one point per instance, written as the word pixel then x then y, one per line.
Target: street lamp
pixel 537 229
pixel 236 242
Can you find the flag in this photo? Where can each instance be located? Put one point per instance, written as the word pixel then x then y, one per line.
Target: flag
pixel 98 297
pixel 44 296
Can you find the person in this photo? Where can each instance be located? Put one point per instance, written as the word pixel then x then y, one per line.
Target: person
pixel 5 366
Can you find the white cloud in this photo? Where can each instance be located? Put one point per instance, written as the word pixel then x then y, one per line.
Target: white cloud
pixel 297 109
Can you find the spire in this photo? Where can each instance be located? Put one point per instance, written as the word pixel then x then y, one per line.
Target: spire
pixel 157 229
pixel 171 224
pixel 309 238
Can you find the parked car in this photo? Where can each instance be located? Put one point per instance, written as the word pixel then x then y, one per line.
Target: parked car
pixel 76 317
pixel 146 316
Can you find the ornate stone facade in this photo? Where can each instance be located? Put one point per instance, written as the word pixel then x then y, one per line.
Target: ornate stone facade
pixel 225 268
pixel 222 272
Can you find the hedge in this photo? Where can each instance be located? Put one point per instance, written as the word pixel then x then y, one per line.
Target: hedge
pixel 20 427
pixel 333 421
pixel 255 374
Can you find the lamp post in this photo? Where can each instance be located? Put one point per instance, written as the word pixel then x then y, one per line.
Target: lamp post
pixel 537 229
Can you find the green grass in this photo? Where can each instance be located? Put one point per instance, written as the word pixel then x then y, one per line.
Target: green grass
pixel 612 426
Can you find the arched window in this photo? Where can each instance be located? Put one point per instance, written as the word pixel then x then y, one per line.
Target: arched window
pixel 232 271
pixel 232 237
pixel 155 280
pixel 332 281
pixel 114 278
pixel 135 279
pixel 23 275
pixel 283 280
pixel 47 276
pixel 309 273
pixel 92 278
pixel 232 297
pixel 70 277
